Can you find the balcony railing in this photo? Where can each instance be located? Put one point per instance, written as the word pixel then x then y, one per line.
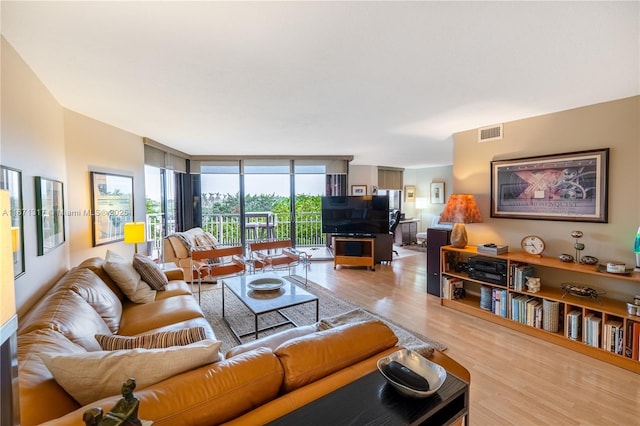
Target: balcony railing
pixel 226 229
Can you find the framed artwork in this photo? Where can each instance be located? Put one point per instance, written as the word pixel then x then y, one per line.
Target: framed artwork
pixel 11 180
pixel 358 189
pixel 409 193
pixel 49 214
pixel 568 187
pixel 111 206
pixel 437 193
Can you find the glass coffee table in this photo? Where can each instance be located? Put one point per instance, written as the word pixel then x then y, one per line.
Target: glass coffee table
pixel 265 293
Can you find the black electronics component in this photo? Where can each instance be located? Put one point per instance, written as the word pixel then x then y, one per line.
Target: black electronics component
pixel 488 269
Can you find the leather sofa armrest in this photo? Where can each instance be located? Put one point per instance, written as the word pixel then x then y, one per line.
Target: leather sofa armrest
pixel 174 275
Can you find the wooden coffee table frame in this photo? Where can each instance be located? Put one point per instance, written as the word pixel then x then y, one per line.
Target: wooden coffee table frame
pixel 260 306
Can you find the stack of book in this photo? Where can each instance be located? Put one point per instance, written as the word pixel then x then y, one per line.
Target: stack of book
pixel 632 347
pixel 499 301
pixel 526 310
pixel 492 249
pixel 591 335
pixel 613 336
pixel 449 284
pixel 519 274
pixel 573 325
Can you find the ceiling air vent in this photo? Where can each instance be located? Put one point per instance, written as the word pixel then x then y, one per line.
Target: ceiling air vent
pixel 490 133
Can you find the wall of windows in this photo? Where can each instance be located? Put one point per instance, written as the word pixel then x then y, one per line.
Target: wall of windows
pixel 252 199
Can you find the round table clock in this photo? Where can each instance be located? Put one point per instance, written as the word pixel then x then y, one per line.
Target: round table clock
pixel 533 245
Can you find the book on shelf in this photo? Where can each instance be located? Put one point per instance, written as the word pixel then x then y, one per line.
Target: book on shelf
pixel 534 313
pixel 573 325
pixel 526 309
pixel 591 330
pixel 613 335
pixel 499 302
pixel 519 274
pixel 628 340
pixel 449 284
pixel 493 249
pixel 635 350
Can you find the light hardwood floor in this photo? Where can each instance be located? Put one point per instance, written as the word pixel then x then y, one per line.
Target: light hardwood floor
pixel 515 378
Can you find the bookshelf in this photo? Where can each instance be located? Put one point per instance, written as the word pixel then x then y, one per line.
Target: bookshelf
pixel 599 327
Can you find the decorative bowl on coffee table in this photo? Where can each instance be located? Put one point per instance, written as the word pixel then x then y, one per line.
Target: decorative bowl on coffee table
pixel 434 374
pixel 266 284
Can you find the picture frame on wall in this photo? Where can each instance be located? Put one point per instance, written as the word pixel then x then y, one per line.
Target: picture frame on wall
pixel 570 186
pixel 111 206
pixel 437 193
pixel 358 189
pixel 409 193
pixel 49 214
pixel 11 180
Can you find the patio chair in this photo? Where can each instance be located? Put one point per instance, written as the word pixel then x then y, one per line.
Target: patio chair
pixel 274 255
pixel 216 263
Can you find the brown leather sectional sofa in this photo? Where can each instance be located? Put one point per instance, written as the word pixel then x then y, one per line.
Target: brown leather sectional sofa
pixel 252 384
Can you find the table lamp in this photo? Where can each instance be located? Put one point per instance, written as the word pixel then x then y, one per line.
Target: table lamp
pixel 134 233
pixel 460 209
pixel 421 204
pixel 15 242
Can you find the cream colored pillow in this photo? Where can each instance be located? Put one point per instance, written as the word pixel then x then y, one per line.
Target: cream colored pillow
pixel 90 376
pixel 128 279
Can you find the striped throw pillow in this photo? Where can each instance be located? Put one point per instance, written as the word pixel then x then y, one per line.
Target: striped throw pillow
pixel 150 272
pixel 159 340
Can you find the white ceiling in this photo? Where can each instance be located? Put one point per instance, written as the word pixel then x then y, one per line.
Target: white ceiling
pixel 387 82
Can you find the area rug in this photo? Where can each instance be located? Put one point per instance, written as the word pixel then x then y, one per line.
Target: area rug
pixel 333 311
pixel 416 247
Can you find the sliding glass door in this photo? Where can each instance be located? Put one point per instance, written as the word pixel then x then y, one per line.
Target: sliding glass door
pixel 220 199
pixel 251 199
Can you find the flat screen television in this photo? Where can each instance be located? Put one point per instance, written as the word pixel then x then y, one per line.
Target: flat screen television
pixel 355 215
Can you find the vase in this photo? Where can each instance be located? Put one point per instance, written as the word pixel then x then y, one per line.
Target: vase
pixel 459 235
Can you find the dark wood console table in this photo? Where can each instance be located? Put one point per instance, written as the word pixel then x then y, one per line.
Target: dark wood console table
pixel 370 400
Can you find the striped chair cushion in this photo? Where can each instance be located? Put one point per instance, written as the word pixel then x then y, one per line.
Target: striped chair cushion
pixel 160 340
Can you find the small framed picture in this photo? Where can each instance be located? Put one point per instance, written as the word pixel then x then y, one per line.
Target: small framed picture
pixel 437 193
pixel 409 193
pixel 358 189
pixel 111 206
pixel 49 213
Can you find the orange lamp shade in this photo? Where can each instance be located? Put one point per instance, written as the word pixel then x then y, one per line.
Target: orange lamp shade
pixel 461 208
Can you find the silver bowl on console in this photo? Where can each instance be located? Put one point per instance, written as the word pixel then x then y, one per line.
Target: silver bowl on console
pixel 434 373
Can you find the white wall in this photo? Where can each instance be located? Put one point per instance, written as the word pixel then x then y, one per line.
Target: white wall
pixel 422 179
pixel 95 146
pixel 41 138
pixel 362 175
pixel 33 142
pixel 613 125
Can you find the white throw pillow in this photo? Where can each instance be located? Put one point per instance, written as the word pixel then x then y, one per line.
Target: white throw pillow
pixel 91 376
pixel 128 279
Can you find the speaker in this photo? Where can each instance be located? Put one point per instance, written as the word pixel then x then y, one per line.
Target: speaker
pixel 436 238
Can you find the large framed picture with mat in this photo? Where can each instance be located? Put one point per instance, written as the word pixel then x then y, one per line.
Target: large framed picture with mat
pixel 568 187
